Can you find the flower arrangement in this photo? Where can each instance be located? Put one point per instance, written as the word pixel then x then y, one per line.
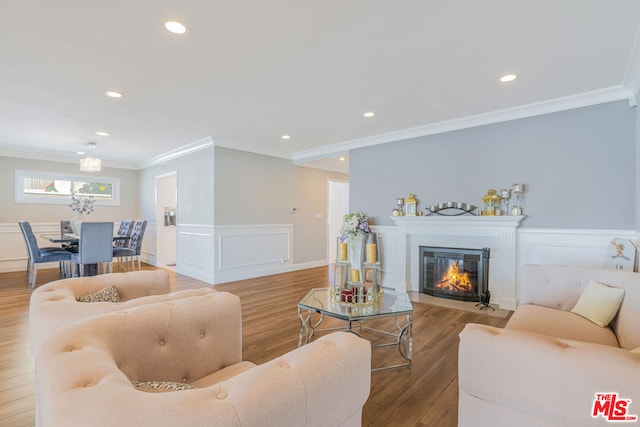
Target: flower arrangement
pixel 354 224
pixel 82 205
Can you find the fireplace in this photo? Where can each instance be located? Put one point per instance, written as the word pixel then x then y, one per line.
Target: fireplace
pixel 455 273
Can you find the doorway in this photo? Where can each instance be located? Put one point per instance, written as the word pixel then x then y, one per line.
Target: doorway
pixel 338 206
pixel 166 220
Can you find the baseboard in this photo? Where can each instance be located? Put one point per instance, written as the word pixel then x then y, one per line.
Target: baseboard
pixel 266 270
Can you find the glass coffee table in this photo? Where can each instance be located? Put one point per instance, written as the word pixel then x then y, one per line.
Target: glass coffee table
pixel 396 305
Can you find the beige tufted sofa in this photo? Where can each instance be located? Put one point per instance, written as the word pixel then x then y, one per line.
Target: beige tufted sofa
pixel 54 305
pixel 84 372
pixel 545 367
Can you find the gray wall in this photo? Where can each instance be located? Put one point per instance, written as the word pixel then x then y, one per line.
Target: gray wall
pixel 37 212
pixel 252 188
pixel 311 196
pixel 255 189
pixel 195 174
pixel 578 167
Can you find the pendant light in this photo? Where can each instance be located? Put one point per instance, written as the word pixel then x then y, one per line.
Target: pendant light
pixel 90 163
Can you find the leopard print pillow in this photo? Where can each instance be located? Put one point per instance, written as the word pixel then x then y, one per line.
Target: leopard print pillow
pixel 161 386
pixel 108 294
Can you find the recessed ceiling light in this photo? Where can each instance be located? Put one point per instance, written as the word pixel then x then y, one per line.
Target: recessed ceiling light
pixel 113 94
pixel 101 133
pixel 508 78
pixel 341 159
pixel 369 114
pixel 175 27
pixel 286 136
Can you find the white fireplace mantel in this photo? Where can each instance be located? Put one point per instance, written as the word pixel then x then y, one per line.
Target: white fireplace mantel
pixel 498 233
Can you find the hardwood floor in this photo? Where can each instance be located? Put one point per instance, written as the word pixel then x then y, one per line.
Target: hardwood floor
pixel 424 395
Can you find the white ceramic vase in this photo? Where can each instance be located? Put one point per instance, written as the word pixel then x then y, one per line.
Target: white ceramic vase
pixel 75 223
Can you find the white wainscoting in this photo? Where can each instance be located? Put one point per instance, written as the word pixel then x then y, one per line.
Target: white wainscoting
pixel 568 247
pixel 226 253
pixel 387 239
pixel 195 248
pixel 246 251
pixel 148 250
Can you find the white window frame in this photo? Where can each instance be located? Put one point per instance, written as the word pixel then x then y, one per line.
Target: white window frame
pixel 21 197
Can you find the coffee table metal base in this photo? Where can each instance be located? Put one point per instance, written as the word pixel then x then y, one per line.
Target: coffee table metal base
pixel 402 335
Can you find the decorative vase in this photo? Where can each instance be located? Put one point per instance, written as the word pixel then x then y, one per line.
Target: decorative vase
pixel 75 223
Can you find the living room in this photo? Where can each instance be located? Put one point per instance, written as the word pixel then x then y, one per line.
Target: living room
pixel 569 134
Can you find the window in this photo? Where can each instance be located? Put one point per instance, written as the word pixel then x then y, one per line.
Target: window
pixel 54 188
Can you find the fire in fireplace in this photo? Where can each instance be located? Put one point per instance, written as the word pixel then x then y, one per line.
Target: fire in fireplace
pixel 455 273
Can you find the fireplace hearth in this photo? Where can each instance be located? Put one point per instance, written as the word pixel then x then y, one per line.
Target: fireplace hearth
pixel 455 273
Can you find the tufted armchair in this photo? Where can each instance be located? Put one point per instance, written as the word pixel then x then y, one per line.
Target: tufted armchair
pixel 54 305
pixel 84 372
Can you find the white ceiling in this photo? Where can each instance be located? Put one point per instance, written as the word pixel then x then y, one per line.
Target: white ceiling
pixel 249 71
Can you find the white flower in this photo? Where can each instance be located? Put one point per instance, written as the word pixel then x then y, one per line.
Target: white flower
pixel 353 224
pixel 82 205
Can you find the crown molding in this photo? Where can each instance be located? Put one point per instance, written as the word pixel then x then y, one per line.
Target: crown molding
pixel 211 142
pixel 627 91
pixel 615 93
pixel 198 145
pixel 52 156
pixel 251 148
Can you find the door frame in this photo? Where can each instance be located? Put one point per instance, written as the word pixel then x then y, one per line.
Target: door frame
pixel 331 243
pixel 159 215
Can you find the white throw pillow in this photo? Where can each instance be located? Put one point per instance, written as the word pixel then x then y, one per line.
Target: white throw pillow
pixel 599 303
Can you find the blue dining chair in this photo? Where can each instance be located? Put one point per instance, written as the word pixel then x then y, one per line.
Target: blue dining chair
pixel 65 227
pixel 134 246
pixel 37 255
pixel 95 246
pixel 125 230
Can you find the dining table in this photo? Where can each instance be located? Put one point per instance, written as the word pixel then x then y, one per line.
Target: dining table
pixel 72 240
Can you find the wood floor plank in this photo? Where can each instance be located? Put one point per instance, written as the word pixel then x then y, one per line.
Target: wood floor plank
pixel 424 395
